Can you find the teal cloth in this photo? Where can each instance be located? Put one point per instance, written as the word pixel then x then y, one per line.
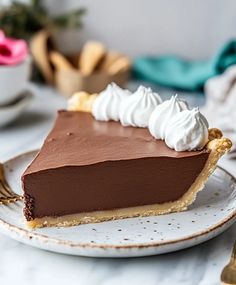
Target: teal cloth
pixel 174 72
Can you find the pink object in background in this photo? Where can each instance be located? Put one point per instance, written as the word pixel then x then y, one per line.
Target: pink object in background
pixel 12 51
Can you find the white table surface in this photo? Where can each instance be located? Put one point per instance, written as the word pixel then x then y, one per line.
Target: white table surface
pixel 21 264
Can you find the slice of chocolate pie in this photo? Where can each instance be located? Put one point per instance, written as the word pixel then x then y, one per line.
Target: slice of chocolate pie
pixel 92 171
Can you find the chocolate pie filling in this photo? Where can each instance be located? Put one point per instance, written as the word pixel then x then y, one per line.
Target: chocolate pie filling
pixel 86 165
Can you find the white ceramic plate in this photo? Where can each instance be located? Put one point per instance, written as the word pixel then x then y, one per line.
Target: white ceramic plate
pixel 212 213
pixel 12 111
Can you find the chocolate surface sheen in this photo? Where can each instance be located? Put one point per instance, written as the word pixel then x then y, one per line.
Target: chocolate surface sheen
pixel 86 165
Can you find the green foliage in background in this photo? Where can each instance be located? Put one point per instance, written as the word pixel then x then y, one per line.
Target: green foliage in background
pixel 22 20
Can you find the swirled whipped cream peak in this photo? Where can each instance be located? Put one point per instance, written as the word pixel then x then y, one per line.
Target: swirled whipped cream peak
pixel 187 131
pixel 136 109
pixel 162 114
pixel 107 104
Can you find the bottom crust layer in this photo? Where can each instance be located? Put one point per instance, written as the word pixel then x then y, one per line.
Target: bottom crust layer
pixel 217 146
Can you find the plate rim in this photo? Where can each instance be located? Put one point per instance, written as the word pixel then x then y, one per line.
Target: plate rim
pixel 30 234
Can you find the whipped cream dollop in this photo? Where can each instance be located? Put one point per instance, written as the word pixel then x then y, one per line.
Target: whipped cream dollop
pixel 136 109
pixel 187 130
pixel 162 114
pixel 107 104
pixel 172 121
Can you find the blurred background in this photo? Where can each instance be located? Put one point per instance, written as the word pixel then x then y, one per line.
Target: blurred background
pixel 192 29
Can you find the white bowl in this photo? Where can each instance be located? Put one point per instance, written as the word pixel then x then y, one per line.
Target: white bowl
pixel 13 80
pixel 12 111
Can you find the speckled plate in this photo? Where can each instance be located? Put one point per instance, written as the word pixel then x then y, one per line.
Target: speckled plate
pixel 212 213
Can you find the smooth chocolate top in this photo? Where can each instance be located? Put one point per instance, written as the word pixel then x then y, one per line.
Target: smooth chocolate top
pixel 77 139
